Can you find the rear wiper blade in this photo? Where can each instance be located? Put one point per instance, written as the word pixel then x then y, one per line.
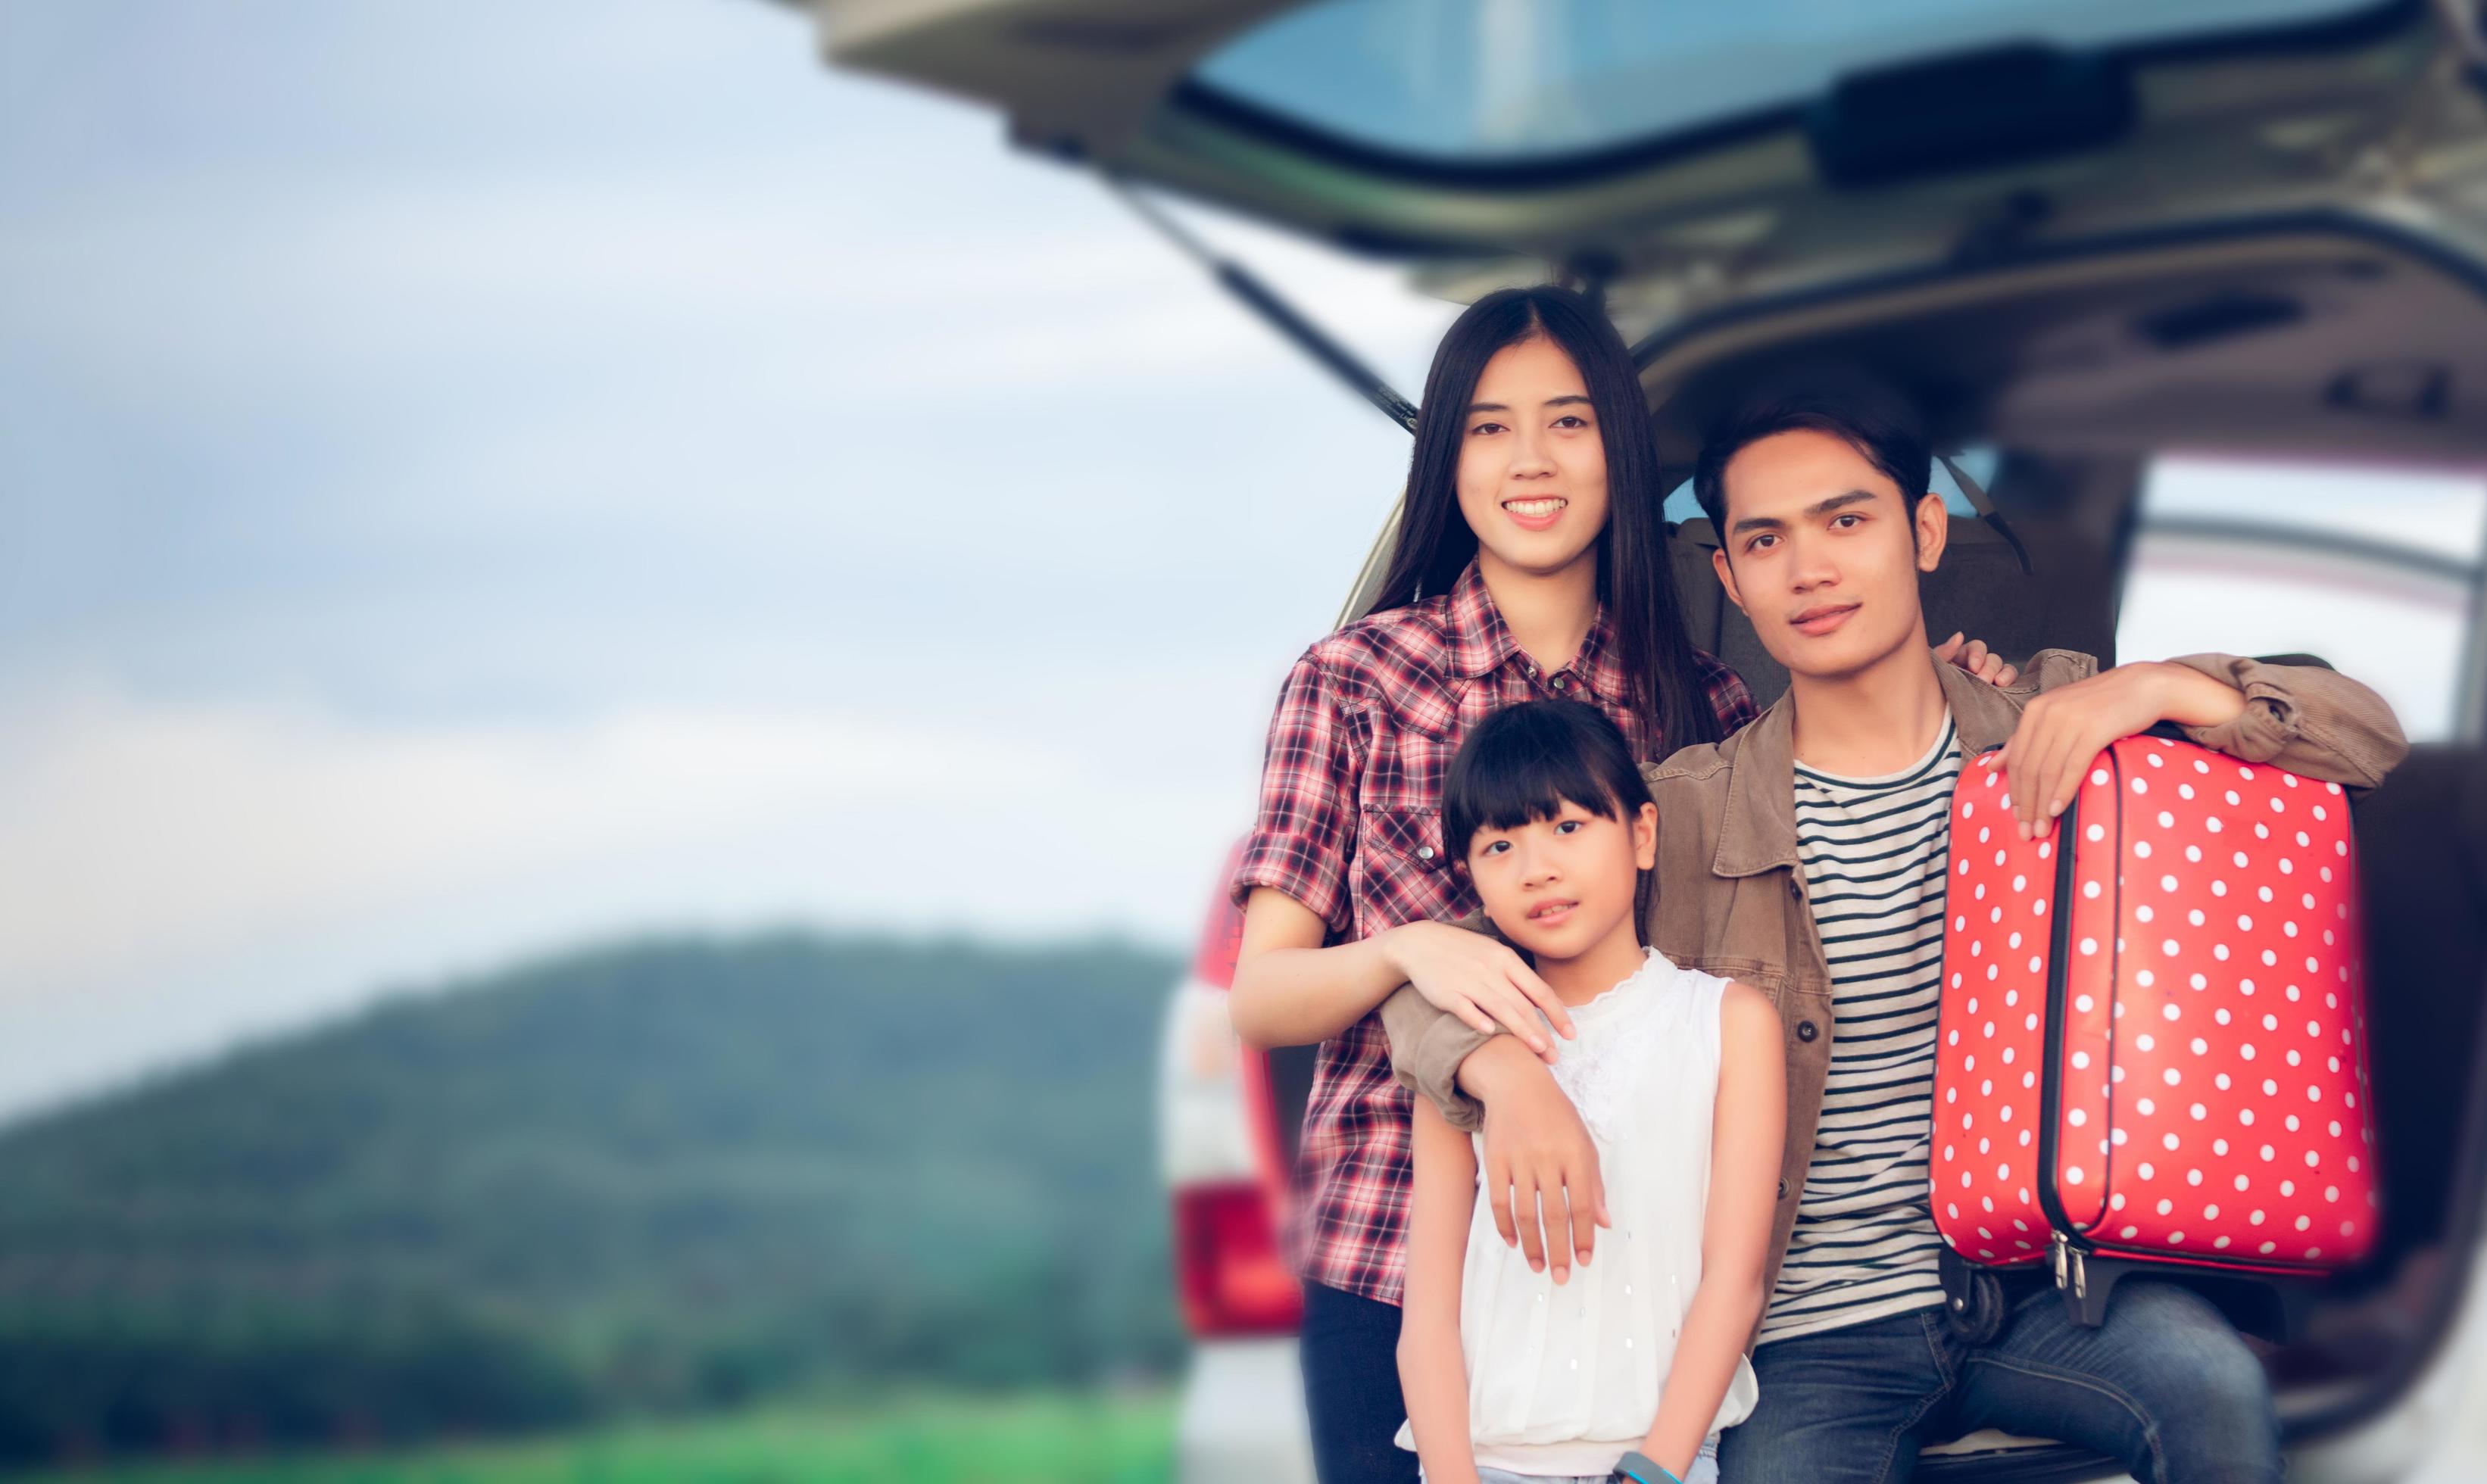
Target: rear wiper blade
pixel 1263 300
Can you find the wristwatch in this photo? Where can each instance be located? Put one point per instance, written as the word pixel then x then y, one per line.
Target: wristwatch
pixel 1637 1467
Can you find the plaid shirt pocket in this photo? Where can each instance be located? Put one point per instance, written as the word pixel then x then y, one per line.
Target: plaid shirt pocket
pixel 1406 875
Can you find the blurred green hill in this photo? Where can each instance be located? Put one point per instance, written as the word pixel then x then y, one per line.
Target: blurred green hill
pixel 657 1178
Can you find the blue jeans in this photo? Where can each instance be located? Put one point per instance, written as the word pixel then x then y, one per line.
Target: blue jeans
pixel 1348 1347
pixel 1704 1471
pixel 2165 1387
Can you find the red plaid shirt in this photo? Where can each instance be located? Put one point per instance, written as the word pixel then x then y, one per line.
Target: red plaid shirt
pixel 1351 825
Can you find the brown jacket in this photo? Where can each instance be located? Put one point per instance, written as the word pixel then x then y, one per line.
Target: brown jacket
pixel 1729 897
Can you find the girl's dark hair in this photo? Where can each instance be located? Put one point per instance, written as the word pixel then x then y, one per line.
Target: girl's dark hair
pixel 1525 761
pixel 1634 581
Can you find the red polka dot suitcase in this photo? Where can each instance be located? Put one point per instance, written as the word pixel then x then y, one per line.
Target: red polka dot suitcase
pixel 2151 1050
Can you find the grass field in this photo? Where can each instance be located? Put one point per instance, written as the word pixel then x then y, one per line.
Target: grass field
pixel 1054 1439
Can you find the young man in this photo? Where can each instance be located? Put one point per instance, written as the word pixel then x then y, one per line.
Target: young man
pixel 1805 855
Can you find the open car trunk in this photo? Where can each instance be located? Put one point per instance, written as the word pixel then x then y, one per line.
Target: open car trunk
pixel 2081 236
pixel 2322 336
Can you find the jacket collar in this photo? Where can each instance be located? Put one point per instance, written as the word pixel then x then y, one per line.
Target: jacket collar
pixel 1758 832
pixel 1984 714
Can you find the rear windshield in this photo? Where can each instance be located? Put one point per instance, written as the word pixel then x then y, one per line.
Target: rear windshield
pixel 1499 81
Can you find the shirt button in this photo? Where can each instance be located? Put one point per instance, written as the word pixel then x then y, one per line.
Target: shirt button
pixel 1562 682
pixel 1424 853
pixel 1805 1030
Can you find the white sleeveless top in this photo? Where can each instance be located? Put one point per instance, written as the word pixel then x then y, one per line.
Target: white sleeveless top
pixel 1564 1381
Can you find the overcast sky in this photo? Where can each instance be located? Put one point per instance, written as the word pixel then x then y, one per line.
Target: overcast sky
pixel 477 479
pixel 480 477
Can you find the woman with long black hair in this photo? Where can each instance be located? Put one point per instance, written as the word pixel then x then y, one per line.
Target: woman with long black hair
pixel 1531 564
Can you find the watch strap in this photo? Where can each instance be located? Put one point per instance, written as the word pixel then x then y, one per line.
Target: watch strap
pixel 1638 1467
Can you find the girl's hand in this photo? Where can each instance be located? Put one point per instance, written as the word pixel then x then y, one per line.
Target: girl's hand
pixel 1541 1174
pixel 1480 981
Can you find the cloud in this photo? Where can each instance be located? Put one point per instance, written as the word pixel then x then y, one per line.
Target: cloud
pixel 142 836
pixel 482 479
pixel 184 865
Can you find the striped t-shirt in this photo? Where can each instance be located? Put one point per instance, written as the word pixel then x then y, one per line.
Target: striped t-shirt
pixel 1873 850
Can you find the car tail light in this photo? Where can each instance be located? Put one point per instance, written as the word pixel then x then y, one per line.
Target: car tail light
pixel 1219 1154
pixel 1227 1262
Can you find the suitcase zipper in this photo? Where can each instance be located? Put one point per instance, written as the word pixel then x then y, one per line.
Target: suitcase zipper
pixel 2068 1248
pixel 2069 1269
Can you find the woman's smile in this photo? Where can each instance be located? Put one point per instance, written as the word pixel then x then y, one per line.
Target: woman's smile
pixel 1537 512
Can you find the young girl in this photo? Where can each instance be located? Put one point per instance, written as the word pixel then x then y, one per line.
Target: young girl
pixel 1530 564
pixel 1630 1368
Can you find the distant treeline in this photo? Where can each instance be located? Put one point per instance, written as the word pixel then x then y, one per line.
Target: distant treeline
pixel 660 1177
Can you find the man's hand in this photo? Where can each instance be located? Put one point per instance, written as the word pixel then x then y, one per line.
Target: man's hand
pixel 2062 731
pixel 1977 659
pixel 1478 980
pixel 1541 1167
